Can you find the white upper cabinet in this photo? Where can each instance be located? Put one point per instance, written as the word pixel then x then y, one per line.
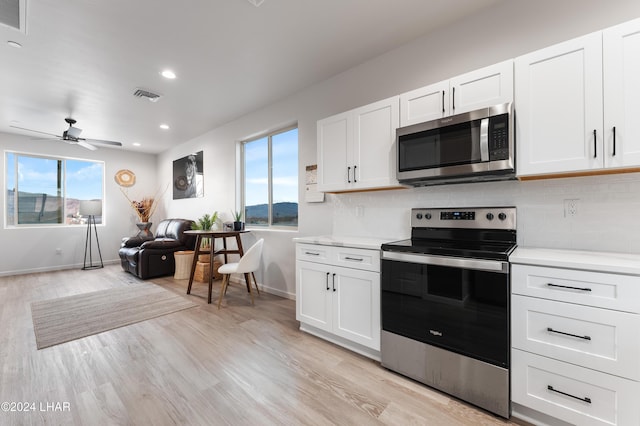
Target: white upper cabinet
pixel 559 107
pixel 488 86
pixel 424 104
pixel 577 104
pixel 356 148
pixel 335 139
pixel 492 85
pixel 621 53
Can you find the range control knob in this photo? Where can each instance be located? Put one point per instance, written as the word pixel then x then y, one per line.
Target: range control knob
pixel 428 216
pixel 489 216
pixel 502 216
pixel 419 216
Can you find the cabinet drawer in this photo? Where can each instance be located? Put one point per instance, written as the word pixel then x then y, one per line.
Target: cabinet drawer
pixel 313 253
pixel 601 339
pixel 366 259
pixel 602 290
pixel 574 394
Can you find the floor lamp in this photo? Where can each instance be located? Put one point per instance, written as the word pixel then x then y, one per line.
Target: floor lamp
pixel 91 209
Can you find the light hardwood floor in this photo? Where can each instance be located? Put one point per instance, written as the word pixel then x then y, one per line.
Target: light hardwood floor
pixel 241 365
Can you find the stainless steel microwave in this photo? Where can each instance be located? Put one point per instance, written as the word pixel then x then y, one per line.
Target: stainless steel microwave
pixel 469 147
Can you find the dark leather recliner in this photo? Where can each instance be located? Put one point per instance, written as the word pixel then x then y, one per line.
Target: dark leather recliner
pixel 149 258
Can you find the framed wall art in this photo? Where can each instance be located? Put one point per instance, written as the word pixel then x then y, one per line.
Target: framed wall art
pixel 188 177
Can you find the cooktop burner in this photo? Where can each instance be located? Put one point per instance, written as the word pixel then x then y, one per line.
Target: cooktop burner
pixel 481 233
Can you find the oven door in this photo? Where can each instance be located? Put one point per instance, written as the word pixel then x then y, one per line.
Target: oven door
pixel 457 304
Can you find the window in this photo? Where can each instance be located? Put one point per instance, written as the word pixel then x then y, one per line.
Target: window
pixel 270 188
pixel 46 191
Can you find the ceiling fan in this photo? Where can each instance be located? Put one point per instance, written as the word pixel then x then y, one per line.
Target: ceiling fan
pixel 72 136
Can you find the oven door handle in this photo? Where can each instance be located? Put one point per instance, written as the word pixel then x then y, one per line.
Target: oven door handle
pixel 454 262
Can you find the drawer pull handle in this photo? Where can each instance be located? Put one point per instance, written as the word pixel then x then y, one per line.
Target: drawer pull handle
pixel 569 287
pixel 551 330
pixel 585 399
pixel 353 258
pixel 310 253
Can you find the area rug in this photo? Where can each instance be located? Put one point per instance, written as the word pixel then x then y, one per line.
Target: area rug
pixel 61 320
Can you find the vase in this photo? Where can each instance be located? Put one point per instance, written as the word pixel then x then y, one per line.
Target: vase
pixel 145 230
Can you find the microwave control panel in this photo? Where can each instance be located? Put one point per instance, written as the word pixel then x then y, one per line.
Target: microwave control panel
pixel 499 137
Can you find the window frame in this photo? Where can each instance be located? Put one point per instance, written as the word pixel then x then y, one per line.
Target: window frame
pixel 63 188
pixel 243 179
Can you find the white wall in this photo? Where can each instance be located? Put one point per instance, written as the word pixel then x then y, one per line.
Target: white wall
pixel 34 249
pixel 510 29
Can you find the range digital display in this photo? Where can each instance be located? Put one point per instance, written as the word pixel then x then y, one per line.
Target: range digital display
pixel 458 215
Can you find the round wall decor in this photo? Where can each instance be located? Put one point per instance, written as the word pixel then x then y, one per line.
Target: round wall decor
pixel 125 178
pixel 181 183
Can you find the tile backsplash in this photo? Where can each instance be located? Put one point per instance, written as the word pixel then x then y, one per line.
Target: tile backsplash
pixel 606 210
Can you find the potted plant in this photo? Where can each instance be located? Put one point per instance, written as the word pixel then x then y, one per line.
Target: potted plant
pixel 238 225
pixel 206 223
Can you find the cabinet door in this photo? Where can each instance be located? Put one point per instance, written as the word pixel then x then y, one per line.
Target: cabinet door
pixel 356 306
pixel 335 136
pixel 425 104
pixel 621 50
pixel 374 157
pixel 558 94
pixel 313 299
pixel 492 85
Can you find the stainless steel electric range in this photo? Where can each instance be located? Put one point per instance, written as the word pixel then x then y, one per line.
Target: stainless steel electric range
pixel 445 303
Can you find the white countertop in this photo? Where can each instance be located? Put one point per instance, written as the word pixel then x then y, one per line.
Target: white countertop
pixel 340 241
pixel 620 263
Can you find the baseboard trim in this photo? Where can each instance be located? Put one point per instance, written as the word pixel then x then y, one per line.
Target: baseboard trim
pixel 267 289
pixel 51 268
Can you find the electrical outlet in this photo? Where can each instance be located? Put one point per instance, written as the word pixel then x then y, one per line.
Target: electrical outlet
pixel 359 211
pixel 58 251
pixel 571 207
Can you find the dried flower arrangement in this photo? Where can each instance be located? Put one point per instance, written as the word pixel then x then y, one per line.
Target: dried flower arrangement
pixel 144 208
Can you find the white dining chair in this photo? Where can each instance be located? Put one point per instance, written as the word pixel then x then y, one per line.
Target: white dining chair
pixel 248 263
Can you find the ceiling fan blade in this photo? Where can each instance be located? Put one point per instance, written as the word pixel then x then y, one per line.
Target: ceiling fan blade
pixel 102 142
pixel 36 131
pixel 86 145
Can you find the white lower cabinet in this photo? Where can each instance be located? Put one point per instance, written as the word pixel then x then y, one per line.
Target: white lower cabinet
pixel 575 338
pixel 341 301
pixel 575 394
pixel 600 339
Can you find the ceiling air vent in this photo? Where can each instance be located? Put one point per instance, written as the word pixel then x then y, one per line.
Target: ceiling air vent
pixel 141 93
pixel 13 14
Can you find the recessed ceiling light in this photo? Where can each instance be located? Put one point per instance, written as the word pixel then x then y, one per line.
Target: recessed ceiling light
pixel 136 144
pixel 164 126
pixel 14 44
pixel 168 74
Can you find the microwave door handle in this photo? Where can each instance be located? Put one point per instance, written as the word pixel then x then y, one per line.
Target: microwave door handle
pixel 484 140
